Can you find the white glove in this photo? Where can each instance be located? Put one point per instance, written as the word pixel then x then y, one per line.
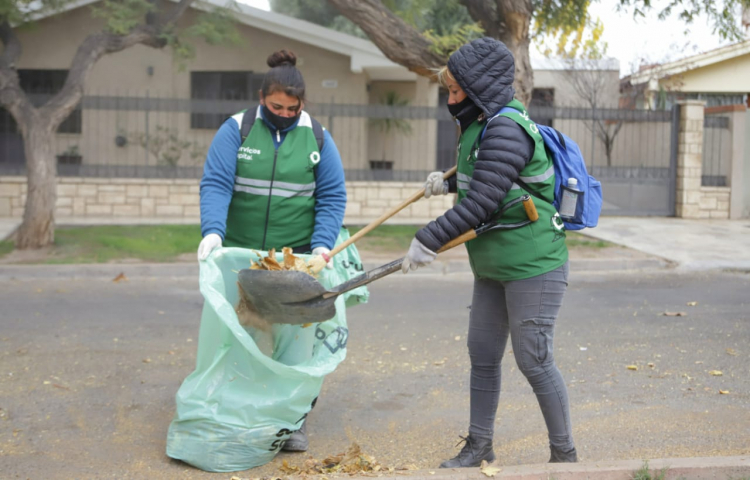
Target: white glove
pixel 208 244
pixel 417 256
pixel 320 251
pixel 435 185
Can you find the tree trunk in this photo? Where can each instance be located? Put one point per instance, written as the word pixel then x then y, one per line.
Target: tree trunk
pixel 516 38
pixel 38 227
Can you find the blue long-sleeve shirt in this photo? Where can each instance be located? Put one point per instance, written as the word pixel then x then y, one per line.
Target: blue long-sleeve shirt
pixel 217 184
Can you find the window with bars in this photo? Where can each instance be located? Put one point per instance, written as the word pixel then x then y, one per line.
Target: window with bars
pixel 222 86
pixel 40 85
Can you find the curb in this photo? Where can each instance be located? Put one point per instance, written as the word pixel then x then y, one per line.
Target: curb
pixel 576 265
pixel 697 468
pixel 106 271
pixel 173 270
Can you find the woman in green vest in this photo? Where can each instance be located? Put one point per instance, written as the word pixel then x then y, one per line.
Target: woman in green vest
pixel 273 178
pixel 520 274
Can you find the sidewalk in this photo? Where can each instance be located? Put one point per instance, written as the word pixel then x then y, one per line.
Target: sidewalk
pixel 690 244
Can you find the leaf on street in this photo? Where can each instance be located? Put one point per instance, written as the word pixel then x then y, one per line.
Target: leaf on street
pixel 632 367
pixel 675 314
pixel 732 351
pixel 724 392
pixel 488 469
pixel 716 373
pixel 692 304
pixel 120 278
pixel 439 362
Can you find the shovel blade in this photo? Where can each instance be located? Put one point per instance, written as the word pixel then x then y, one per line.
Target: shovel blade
pixel 276 295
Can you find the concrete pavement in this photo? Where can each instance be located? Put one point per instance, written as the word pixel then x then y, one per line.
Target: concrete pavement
pixel 690 244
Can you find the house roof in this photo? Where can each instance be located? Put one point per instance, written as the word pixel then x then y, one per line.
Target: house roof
pixel 693 62
pixel 364 55
pixel 544 63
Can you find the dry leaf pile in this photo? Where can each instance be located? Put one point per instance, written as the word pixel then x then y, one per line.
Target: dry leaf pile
pixel 353 461
pixel 291 262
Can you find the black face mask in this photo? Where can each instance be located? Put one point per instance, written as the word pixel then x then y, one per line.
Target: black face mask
pixel 281 123
pixel 457 108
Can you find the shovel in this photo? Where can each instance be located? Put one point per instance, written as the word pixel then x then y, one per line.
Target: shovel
pixel 297 298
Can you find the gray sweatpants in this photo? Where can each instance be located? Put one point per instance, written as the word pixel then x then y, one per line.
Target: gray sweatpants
pixel 526 311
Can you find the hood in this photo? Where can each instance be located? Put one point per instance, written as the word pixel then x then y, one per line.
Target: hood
pixel 485 69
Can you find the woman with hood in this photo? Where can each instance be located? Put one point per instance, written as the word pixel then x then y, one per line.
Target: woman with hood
pixel 273 178
pixel 520 275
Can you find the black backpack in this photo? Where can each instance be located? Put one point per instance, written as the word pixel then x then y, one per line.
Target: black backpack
pixel 249 120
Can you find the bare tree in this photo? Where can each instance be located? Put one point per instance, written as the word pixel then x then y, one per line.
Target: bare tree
pixel 590 83
pixel 155 28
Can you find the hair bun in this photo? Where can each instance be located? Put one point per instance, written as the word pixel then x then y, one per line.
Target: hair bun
pixel 282 57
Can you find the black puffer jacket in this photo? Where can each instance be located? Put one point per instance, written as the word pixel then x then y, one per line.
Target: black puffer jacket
pixel 484 69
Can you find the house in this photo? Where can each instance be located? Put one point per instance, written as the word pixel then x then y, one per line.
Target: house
pixel 145 119
pixel 719 77
pixel 134 92
pixel 139 102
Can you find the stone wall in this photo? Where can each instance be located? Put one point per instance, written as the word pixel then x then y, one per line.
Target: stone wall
pixel 175 200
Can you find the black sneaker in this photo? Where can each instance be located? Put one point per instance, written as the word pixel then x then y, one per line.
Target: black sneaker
pixel 475 450
pixel 298 440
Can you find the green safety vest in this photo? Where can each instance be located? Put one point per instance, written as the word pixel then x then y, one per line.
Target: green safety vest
pixel 524 252
pixel 273 204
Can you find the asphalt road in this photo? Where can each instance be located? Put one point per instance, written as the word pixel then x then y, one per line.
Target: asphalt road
pixel 89 369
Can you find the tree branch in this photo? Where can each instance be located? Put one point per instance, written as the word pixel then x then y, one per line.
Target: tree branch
pixel 11 95
pixel 12 46
pixel 96 46
pixel 399 41
pixel 484 13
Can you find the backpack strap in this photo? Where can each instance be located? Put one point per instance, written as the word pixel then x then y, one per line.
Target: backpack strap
pixel 317 129
pixel 518 180
pixel 247 123
pixel 249 120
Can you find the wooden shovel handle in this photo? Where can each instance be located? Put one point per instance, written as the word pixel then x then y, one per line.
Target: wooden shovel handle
pixel 463 238
pixel 385 217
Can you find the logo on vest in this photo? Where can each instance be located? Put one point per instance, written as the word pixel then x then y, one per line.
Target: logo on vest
pixel 246 153
pixel 558 226
pixel 315 157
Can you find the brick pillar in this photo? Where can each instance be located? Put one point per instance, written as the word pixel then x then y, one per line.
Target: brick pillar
pixel 689 159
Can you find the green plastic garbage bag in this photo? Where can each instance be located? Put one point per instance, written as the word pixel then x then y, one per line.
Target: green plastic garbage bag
pixel 251 389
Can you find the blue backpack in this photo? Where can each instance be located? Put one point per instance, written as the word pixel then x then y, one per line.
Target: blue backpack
pixel 568 163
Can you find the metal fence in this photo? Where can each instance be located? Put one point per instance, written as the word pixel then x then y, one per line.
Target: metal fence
pixel 717 151
pixel 147 136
